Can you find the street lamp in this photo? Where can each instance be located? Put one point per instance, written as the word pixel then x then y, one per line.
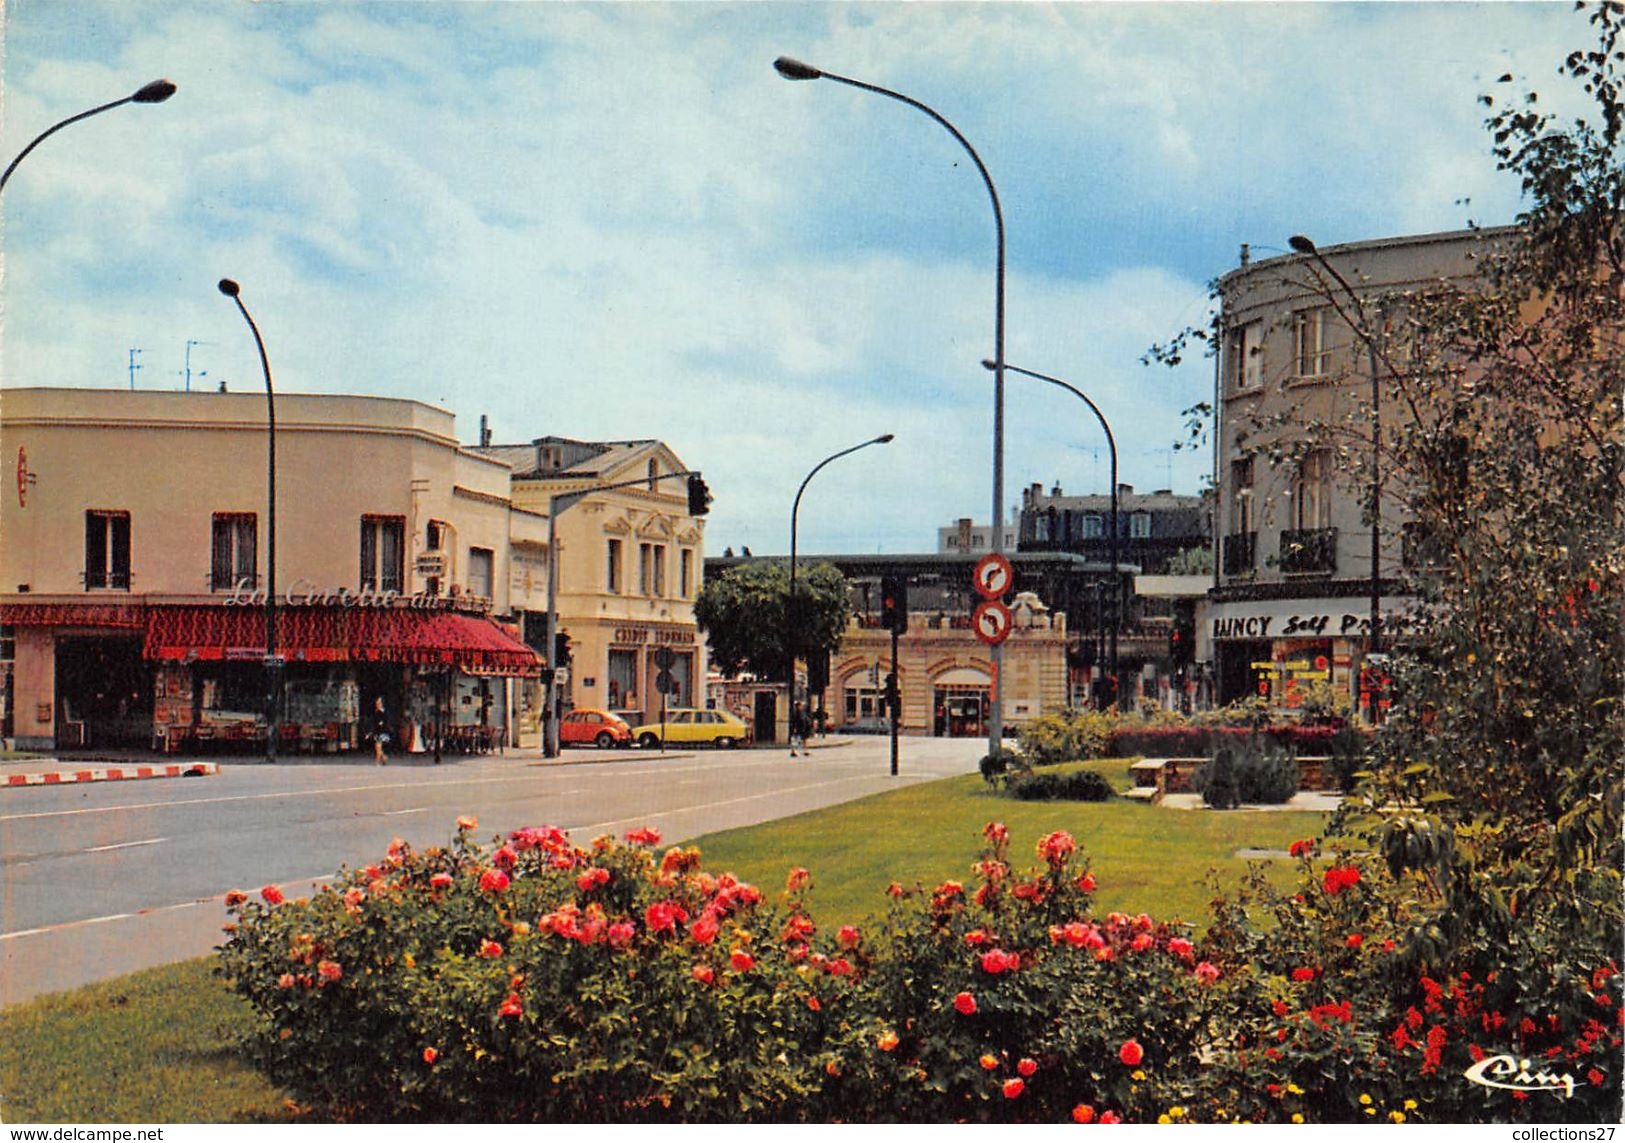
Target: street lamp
pixel 795 69
pixel 793 641
pixel 1362 329
pixel 1111 446
pixel 273 661
pixel 155 92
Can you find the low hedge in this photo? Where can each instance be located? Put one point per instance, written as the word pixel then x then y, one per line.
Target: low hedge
pixel 1048 786
pixel 1196 741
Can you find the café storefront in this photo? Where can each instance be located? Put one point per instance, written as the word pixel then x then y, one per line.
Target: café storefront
pixel 189 676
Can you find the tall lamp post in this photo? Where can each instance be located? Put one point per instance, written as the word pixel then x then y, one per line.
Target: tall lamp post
pixel 273 661
pixel 1111 446
pixel 155 92
pixel 795 69
pixel 1362 329
pixel 791 618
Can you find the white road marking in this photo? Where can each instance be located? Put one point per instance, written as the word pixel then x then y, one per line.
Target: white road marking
pixel 156 909
pixel 126 845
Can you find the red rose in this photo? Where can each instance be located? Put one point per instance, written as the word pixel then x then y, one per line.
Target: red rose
pixel 490 950
pixel 1013 1088
pixel 1087 883
pixel 511 1006
pixel 1182 948
pixel 1027 1066
pixel 1110 1117
pixel 742 961
pixel 1355 940
pixel 440 881
pixel 235 898
pixel 1303 974
pixel 430 1056
pixel 272 895
pixel 702 973
pixel 965 1004
pixel 848 937
pixel 493 881
pixel 1083 1113
pixel 1131 1053
pixel 704 929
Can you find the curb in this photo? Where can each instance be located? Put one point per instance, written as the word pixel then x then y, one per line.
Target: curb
pixel 109 774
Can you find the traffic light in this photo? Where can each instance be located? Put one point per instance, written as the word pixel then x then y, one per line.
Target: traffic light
pixel 561 649
pixel 1176 647
pixel 894 603
pixel 699 496
pixel 1182 640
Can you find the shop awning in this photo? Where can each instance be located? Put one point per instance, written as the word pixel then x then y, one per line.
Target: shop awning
pixel 470 643
pixel 131 615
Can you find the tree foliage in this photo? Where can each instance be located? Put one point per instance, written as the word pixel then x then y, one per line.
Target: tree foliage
pixel 1503 755
pixel 744 614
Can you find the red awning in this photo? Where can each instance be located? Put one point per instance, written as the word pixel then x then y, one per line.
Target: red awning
pixel 133 615
pixel 472 644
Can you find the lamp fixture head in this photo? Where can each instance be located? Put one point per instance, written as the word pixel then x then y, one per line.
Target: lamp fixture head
pixel 886 439
pixel 229 288
pixel 155 92
pixel 1301 244
pixel 795 69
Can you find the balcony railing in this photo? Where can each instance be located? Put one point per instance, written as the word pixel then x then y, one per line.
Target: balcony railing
pixel 1309 551
pixel 1240 553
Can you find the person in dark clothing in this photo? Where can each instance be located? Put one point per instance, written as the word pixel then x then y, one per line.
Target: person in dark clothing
pixel 379 731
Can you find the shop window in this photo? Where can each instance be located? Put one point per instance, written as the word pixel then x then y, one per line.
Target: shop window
pixel 8 643
pixel 481 571
pixel 233 550
pixel 383 551
pixel 623 675
pixel 612 572
pixel 107 550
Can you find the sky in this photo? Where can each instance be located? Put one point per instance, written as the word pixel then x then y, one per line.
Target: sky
pixel 613 221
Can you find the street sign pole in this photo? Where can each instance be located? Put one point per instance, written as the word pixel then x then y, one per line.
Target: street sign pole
pixel 894 698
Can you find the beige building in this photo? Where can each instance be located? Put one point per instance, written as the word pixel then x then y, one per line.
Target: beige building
pixel 1294 599
pixel 631 561
pixel 134 567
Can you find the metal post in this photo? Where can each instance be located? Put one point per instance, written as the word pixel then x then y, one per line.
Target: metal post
pixel 1111 446
pixel 155 92
pixel 796 70
pixel 273 661
pixel 894 699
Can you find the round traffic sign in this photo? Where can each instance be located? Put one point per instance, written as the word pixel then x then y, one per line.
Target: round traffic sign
pixel 664 658
pixel 993 576
pixel 990 622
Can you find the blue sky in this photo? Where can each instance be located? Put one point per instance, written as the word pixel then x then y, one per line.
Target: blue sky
pixel 610 221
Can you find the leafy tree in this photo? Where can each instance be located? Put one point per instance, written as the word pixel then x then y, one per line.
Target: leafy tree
pixel 1508 731
pixel 744 615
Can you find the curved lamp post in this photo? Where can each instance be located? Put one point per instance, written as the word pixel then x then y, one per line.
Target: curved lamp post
pixel 795 69
pixel 1362 329
pixel 793 643
pixel 155 92
pixel 273 661
pixel 1111 445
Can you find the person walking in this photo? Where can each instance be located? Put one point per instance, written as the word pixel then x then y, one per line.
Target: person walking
pixel 380 731
pixel 799 725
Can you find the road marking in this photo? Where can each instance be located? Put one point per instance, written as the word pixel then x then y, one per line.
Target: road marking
pixel 154 910
pixel 398 813
pixel 125 845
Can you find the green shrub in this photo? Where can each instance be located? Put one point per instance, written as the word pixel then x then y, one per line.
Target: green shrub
pixel 1070 735
pixel 1347 751
pixel 997 763
pixel 1255 772
pixel 1076 786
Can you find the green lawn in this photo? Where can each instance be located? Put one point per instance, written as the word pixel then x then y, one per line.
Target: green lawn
pixel 157 1046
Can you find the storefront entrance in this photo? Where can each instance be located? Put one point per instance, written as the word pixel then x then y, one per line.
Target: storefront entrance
pixel 103 692
pixel 960 711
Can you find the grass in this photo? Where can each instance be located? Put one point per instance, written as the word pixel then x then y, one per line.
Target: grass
pixel 153 1047
pixel 159 1046
pixel 1145 858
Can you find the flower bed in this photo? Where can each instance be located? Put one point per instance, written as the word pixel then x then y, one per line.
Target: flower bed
pixel 535 980
pixel 1198 741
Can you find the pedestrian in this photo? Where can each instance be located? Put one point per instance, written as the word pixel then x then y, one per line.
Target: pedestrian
pixel 380 731
pixel 798 729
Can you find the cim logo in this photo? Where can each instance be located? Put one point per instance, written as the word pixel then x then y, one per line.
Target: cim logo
pixel 1509 1073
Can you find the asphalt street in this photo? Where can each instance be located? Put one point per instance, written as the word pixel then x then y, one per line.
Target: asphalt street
pixel 104 878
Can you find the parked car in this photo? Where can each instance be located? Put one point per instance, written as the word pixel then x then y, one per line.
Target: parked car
pixel 599 728
pixel 717 727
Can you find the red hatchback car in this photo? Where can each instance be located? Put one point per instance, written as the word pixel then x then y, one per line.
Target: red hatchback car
pixel 599 728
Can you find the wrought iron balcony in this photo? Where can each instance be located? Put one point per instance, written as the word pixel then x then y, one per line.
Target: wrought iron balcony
pixel 1309 551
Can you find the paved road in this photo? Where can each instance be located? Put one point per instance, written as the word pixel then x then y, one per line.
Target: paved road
pixel 105 878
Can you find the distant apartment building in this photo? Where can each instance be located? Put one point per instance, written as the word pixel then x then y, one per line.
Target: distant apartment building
pixel 964 537
pixel 1152 527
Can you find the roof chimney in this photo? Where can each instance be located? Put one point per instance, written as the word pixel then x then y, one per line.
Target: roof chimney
pixel 1246 254
pixel 485 431
pixel 1125 490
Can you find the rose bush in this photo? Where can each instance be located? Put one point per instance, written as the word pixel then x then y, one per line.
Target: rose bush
pixel 614 983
